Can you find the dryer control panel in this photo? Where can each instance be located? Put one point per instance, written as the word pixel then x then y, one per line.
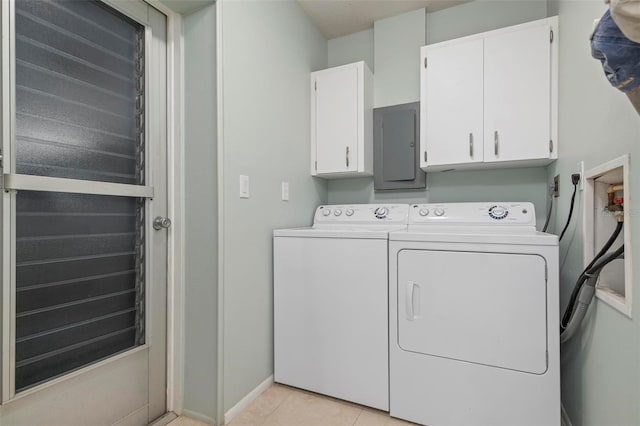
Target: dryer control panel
pixel 492 213
pixel 360 214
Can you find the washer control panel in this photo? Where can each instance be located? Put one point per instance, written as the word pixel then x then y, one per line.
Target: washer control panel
pixel 494 213
pixel 359 214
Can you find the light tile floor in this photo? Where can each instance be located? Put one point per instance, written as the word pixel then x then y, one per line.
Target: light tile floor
pixel 186 421
pixel 284 406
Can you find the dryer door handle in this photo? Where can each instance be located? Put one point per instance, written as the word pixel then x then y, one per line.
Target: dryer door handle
pixel 412 295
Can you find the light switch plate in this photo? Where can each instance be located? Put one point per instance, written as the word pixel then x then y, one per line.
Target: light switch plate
pixel 285 191
pixel 244 186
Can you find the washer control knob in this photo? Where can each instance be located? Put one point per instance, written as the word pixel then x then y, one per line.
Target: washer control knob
pixel 439 211
pixel 381 212
pixel 326 212
pixel 337 212
pixel 424 212
pixel 350 212
pixel 498 212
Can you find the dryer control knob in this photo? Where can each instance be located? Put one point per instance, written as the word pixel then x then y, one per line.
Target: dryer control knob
pixel 439 211
pixel 498 212
pixel 424 212
pixel 337 212
pixel 381 212
pixel 350 212
pixel 326 212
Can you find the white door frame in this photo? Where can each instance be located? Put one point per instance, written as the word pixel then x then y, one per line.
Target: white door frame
pixel 175 200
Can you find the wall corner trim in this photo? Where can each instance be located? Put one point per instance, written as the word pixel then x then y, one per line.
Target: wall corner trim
pixel 248 399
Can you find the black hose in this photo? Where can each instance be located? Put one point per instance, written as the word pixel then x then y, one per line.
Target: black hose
pixel 546 223
pixel 587 292
pixel 593 271
pixel 583 277
pixel 594 267
pixel 573 201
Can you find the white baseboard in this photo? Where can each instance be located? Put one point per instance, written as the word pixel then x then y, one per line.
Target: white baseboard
pixel 197 416
pixel 566 421
pixel 244 402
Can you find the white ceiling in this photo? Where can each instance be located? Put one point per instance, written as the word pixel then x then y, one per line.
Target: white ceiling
pixel 336 18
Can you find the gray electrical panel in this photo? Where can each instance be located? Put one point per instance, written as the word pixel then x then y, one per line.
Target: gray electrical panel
pixel 396 162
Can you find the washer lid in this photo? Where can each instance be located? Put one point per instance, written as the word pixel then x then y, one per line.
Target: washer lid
pixel 481 235
pixel 356 233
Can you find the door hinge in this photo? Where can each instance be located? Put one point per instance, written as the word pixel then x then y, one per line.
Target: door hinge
pixel 551 35
pixel 550 146
pixel 315 85
pixel 316 166
pixel 425 61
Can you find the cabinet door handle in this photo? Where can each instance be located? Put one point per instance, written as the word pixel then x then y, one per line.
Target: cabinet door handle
pixel 347 156
pixel 496 143
pixel 471 145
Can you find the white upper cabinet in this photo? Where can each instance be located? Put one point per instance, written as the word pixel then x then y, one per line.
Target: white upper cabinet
pixel 342 122
pixel 490 100
pixel 517 94
pixel 452 104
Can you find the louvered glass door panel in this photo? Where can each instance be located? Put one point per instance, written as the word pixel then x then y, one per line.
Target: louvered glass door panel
pixel 79 258
pixel 79 275
pixel 79 86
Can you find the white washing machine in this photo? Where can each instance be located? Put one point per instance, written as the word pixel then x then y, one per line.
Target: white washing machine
pixel 473 314
pixel 331 302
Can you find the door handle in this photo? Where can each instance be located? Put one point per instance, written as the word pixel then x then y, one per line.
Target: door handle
pixel 160 222
pixel 412 309
pixel 347 156
pixel 496 143
pixel 471 145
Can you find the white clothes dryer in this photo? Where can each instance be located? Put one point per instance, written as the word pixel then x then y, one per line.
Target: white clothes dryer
pixel 331 302
pixel 473 313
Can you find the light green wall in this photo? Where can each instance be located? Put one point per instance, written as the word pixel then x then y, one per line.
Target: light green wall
pixel 481 15
pixel 269 49
pixel 397 42
pixel 477 16
pixel 600 367
pixel 341 49
pixel 201 207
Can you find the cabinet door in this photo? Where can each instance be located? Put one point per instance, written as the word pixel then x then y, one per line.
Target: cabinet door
pixel 517 94
pixel 451 97
pixel 336 119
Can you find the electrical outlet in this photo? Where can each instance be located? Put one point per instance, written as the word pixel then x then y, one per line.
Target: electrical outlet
pixel 580 169
pixel 556 186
